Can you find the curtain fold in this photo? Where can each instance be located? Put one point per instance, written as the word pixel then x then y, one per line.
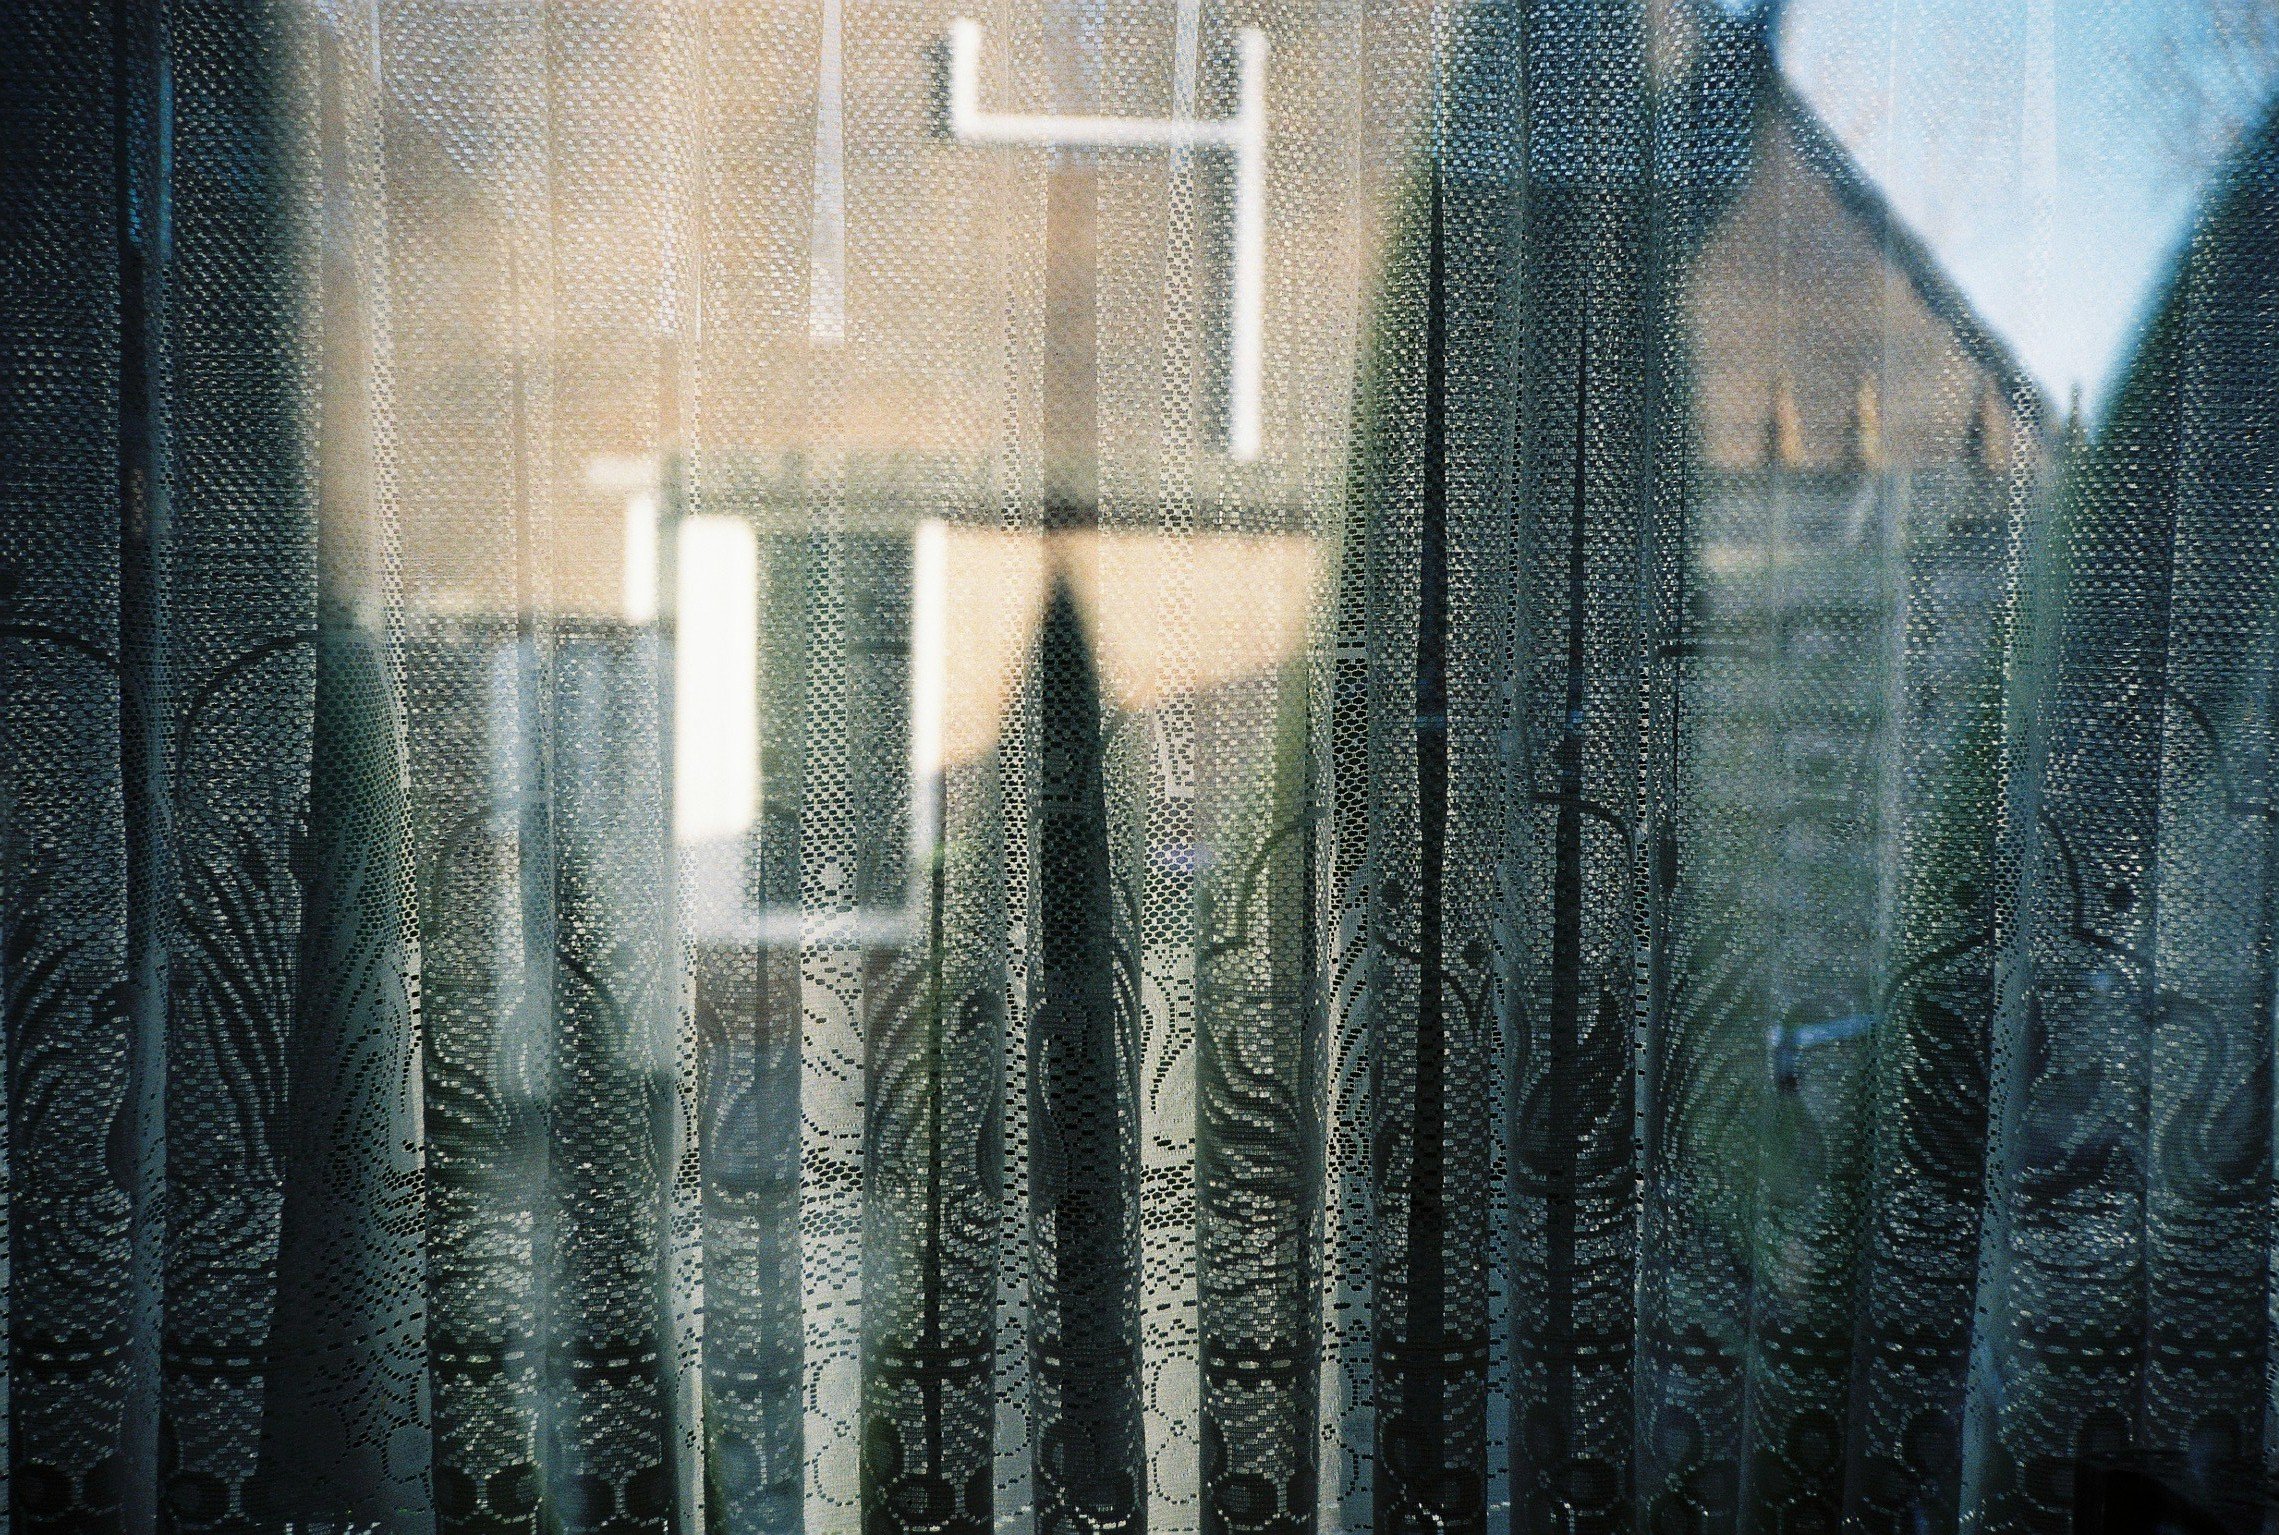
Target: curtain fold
pixel 681 851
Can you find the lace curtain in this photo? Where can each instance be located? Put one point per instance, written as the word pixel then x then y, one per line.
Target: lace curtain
pixel 683 847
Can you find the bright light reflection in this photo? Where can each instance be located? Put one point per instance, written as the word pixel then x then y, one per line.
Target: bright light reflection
pixel 716 699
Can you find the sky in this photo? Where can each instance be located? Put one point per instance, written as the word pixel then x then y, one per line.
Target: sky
pixel 2032 146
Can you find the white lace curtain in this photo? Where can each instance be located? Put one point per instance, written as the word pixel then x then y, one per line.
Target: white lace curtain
pixel 684 852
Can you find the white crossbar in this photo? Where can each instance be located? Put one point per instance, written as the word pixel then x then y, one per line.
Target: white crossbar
pixel 1243 136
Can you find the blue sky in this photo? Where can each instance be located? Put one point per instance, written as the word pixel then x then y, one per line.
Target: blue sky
pixel 2029 143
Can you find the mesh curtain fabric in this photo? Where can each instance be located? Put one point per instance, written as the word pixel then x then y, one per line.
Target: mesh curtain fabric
pixel 1509 965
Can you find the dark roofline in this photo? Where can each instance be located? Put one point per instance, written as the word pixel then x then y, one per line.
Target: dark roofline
pixel 1858 195
pixel 1906 250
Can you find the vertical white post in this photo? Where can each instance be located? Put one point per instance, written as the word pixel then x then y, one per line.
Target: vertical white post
pixel 1246 308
